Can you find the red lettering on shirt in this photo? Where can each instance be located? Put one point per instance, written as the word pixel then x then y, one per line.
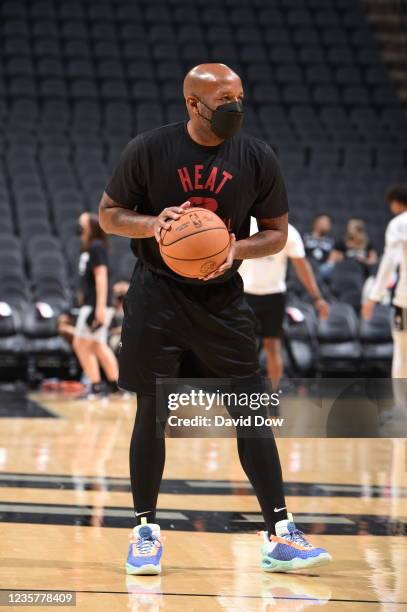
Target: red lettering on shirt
pixel 226 177
pixel 198 176
pixel 210 181
pixel 202 202
pixel 185 179
pixel 199 182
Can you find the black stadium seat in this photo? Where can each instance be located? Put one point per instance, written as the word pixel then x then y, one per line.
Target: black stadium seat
pixel 376 340
pixel 339 346
pixel 347 280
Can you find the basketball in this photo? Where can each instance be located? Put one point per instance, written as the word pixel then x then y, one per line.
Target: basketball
pixel 196 244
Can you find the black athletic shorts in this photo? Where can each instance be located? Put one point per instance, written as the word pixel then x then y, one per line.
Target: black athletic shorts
pixel 269 310
pixel 173 329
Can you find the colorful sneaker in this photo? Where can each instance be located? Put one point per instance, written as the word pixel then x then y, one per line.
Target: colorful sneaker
pixel 145 549
pixel 288 550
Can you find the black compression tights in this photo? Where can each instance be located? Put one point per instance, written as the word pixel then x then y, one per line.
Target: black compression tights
pixel 258 456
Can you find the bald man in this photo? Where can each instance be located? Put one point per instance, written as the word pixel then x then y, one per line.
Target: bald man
pixel 172 320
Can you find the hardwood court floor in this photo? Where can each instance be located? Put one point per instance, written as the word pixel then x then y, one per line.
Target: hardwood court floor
pixel 66 511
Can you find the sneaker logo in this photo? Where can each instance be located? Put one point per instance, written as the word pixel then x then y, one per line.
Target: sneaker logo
pixel 275 509
pixel 140 513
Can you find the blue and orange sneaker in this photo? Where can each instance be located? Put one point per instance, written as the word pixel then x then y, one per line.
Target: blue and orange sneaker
pixel 145 550
pixel 288 550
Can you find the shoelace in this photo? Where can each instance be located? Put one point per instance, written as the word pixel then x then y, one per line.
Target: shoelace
pixel 298 537
pixel 144 545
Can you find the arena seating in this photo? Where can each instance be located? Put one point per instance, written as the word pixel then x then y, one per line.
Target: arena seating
pixel 79 78
pixel 300 338
pixel 347 281
pixel 375 337
pixel 339 346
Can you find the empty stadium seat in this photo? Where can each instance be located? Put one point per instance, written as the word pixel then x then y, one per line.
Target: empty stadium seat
pixel 375 338
pixel 347 281
pixel 339 346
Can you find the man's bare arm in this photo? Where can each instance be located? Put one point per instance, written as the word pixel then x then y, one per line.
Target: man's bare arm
pixel 114 219
pixel 270 239
pixel 307 278
pixel 305 275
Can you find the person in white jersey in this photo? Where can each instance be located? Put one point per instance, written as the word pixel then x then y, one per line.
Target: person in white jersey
pixel 394 256
pixel 265 289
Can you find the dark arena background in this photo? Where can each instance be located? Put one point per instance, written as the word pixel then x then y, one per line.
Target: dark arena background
pixel 326 87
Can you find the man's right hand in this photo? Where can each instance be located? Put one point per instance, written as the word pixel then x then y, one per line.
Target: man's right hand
pixel 367 311
pixel 323 308
pixel 164 219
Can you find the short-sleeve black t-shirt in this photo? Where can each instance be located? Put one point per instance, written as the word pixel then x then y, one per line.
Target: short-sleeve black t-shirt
pixel 165 167
pixel 96 255
pixel 318 247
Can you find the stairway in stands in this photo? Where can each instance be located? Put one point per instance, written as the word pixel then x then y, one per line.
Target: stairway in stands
pixel 389 19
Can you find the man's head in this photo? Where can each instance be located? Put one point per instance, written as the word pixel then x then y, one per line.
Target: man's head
pixel 396 198
pixel 355 226
pixel 322 225
pixel 213 94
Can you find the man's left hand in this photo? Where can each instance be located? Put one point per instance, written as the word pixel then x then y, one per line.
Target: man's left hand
pixel 227 264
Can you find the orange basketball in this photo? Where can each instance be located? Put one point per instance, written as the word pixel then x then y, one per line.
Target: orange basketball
pixel 196 244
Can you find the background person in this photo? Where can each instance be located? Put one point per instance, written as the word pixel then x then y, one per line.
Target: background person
pixel 66 327
pixel 318 243
pixel 395 255
pixel 90 336
pixel 355 244
pixel 119 292
pixel 265 289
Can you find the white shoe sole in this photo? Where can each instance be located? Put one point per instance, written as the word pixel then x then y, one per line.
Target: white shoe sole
pixel 145 570
pixel 296 564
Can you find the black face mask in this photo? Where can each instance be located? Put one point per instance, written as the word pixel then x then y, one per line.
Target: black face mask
pixel 226 119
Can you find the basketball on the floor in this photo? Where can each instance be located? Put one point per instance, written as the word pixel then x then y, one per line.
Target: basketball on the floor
pixel 196 244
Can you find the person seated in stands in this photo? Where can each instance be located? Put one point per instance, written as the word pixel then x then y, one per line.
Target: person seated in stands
pixel 319 242
pixel 119 291
pixel 355 245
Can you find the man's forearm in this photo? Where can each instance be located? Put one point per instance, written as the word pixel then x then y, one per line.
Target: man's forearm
pixel 266 242
pixel 125 222
pixel 101 286
pixel 306 276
